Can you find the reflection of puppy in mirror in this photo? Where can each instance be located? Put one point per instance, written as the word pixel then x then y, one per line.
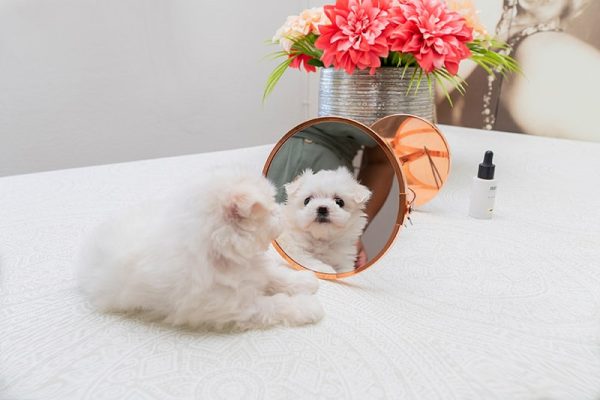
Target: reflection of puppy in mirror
pixel 324 218
pixel 200 260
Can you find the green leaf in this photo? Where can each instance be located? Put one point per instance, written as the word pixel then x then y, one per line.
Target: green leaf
pixel 315 62
pixel 410 82
pixel 304 45
pixel 441 83
pixel 275 55
pixel 276 76
pixel 429 85
pixel 455 80
pixel 395 58
pixel 404 71
pixel 419 81
pixel 489 55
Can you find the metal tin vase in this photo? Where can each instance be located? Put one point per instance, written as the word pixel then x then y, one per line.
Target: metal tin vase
pixel 367 98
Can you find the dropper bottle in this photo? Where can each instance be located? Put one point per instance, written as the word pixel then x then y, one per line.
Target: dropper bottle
pixel 483 189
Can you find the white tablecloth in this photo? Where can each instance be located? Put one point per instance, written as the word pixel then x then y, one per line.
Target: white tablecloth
pixel 458 309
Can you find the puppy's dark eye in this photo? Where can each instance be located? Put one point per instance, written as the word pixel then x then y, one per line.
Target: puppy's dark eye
pixel 307 200
pixel 339 202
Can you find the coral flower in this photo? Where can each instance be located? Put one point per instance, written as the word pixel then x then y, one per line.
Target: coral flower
pixel 301 60
pixel 435 35
pixel 356 37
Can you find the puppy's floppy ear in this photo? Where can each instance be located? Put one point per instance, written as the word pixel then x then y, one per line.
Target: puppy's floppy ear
pixel 293 186
pixel 361 194
pixel 242 205
pixel 343 169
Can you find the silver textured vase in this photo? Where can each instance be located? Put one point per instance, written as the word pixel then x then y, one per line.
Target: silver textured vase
pixel 367 98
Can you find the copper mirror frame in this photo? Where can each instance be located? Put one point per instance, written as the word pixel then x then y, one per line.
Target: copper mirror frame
pixel 422 151
pixel 402 156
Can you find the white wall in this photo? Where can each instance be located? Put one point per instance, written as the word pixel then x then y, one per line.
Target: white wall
pixel 98 81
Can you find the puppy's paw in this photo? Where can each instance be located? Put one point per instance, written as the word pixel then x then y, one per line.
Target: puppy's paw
pixel 292 282
pixel 304 282
pixel 309 310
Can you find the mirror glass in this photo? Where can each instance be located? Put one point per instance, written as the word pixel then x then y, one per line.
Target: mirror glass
pixel 343 196
pixel 421 150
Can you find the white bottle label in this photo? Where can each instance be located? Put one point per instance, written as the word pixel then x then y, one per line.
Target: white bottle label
pixel 483 195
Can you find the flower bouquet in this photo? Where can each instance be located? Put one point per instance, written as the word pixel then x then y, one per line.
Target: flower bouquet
pixel 427 39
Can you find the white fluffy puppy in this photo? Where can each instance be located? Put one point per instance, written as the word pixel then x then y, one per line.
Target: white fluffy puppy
pixel 324 218
pixel 200 260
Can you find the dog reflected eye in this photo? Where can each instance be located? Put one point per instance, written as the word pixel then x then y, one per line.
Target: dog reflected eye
pixel 307 200
pixel 339 202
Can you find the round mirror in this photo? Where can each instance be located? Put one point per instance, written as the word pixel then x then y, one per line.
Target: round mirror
pixel 422 152
pixel 343 193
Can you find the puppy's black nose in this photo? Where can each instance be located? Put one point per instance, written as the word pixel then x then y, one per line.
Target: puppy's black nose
pixel 322 211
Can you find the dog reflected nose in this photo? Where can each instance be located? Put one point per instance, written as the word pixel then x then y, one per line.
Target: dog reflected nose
pixel 322 211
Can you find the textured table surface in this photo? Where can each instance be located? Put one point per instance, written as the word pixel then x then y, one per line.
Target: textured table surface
pixel 458 309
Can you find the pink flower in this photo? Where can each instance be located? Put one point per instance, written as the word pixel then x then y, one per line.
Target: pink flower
pixel 356 37
pixel 297 26
pixel 435 35
pixel 467 9
pixel 301 60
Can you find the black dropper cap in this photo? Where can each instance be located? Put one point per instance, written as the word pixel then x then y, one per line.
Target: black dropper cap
pixel 486 168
